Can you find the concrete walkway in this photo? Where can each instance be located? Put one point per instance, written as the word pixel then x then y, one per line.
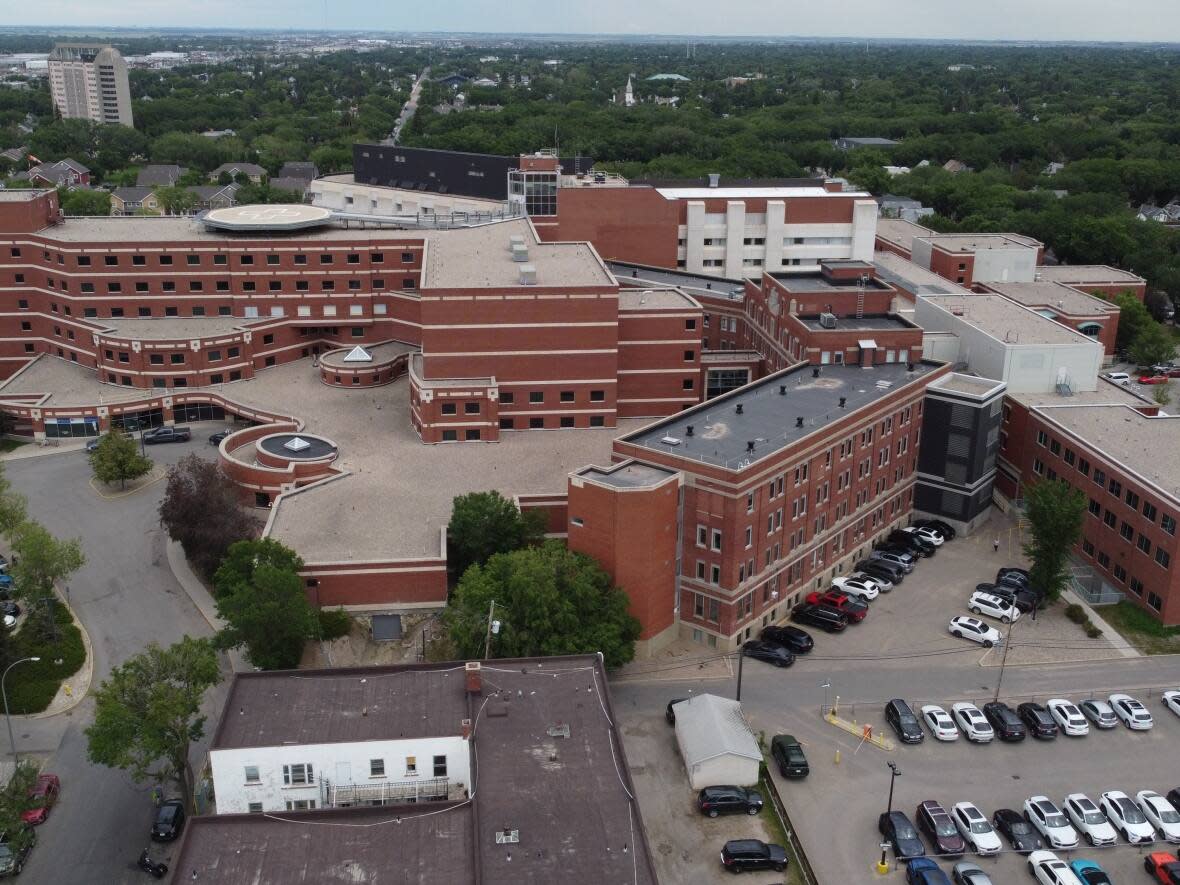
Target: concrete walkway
pixel 202 599
pixel 35 450
pixel 1114 637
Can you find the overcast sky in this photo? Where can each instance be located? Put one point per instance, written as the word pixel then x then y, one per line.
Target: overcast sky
pixel 1141 20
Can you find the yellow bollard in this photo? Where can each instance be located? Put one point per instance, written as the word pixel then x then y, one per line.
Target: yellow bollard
pixel 837 755
pixel 882 868
pixel 69 691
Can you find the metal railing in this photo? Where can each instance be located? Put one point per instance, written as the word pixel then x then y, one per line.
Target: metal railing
pixel 806 873
pixel 385 793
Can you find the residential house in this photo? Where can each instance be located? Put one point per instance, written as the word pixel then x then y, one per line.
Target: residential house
pixel 252 171
pixel 159 175
pixel 286 183
pixel 134 201
pixel 214 196
pixel 954 167
pixel 849 143
pixel 1151 212
pixel 452 80
pixel 1052 168
pixel 306 171
pixel 486 82
pixel 893 206
pixel 14 155
pixel 64 173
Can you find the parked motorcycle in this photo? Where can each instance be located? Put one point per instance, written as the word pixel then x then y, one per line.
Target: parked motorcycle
pixel 145 863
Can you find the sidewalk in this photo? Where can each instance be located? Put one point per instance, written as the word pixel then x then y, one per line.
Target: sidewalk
pixel 677 662
pixel 202 599
pixel 36 450
pixel 1109 634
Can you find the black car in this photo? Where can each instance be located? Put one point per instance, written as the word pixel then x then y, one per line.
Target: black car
pixel 739 855
pixel 943 528
pixel 909 542
pixel 891 572
pixel 8 607
pixel 823 616
pixel 169 821
pixel 900 833
pixel 899 715
pixel 1012 575
pixel 771 652
pixel 216 438
pixel 938 827
pixel 788 753
pixel 798 641
pixel 713 801
pixel 14 852
pixel 1038 720
pixel 669 713
pixel 1016 829
pixel 1024 598
pixel 1004 721
pixel 1174 797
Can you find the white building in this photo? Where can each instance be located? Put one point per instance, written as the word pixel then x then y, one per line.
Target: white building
pixel 341 193
pixel 90 82
pixel 716 743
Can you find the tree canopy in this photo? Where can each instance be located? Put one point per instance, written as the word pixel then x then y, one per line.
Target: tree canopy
pixel 485 523
pixel 202 511
pixel 549 601
pixel 1055 511
pixel 118 459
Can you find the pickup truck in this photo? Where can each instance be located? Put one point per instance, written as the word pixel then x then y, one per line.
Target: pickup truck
pixel 167 435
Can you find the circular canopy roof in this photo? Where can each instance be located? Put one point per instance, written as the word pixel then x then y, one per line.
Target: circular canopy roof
pixel 274 217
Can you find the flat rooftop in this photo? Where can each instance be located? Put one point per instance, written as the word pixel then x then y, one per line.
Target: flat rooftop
pixel 695 284
pixel 878 323
pixel 911 278
pixel 346 179
pixel 980 242
pixel 656 299
pixel 1057 297
pixel 630 476
pixel 971 385
pixel 164 328
pixel 768 418
pixel 1107 394
pixel 1003 319
pixel 1148 446
pixel 1091 274
pixel 815 281
pixel 20 195
pixel 768 193
pixel 379 352
pixel 900 232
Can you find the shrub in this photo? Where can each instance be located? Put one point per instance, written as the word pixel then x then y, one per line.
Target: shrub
pixel 1076 613
pixel 334 623
pixel 1092 631
pixel 39 681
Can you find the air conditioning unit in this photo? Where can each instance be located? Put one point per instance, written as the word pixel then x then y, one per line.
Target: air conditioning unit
pixel 827 320
pixel 528 275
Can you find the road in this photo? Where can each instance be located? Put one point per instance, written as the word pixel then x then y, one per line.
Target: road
pixel 126 597
pixel 409 107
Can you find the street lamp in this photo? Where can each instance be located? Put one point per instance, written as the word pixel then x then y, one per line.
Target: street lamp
pixel 493 627
pixel 1007 645
pixel 7 718
pixel 894 772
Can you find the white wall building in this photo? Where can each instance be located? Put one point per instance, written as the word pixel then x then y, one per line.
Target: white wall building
pixel 716 743
pixel 341 193
pixel 90 82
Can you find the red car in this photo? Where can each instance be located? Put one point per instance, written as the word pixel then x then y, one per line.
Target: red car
pixel 846 604
pixel 1163 868
pixel 42 796
pixel 1153 379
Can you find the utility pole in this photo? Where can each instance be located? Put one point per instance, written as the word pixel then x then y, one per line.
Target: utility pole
pixel 741 657
pixel 894 772
pixel 1007 644
pixel 487 646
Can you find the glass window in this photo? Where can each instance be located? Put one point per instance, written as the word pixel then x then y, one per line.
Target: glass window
pixel 252 774
pixel 411 765
pixel 376 768
pixel 440 766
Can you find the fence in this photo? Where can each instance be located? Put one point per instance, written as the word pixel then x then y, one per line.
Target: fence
pixel 806 873
pixel 1090 587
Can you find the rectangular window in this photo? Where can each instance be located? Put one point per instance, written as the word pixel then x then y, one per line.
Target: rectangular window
pixel 252 774
pixel 156 359
pixel 450 435
pixel 376 768
pixel 1103 559
pixel 1054 447
pixel 407 258
pixel 1162 556
pixel 255 808
pixel 1154 602
pixel 1099 476
pixel 1149 510
pixel 689 355
pixel 300 773
pixel 1132 500
pixel 1120 573
pixel 1083 467
pixel 1095 508
pixel 440 766
pixel 715 574
pixel 449 408
pixel 411 766
pixel 1069 457
pixel 471 408
pixel 1126 531
pixel 507 398
pixel 537 396
pixel 1109 519
pixel 1135 586
pixel 716 539
pixel 234 352
pixel 325 258
pixel 1168 524
pixel 1115 487
pixel 597 396
pixel 566 396
pixel 1143 543
pixel 1087 547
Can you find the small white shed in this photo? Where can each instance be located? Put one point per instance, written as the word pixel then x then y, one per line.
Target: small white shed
pixel 716 742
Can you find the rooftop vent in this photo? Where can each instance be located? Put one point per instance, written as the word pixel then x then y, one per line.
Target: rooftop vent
pixel 670 440
pixel 714 179
pixel 560 730
pixel 709 286
pixel 815 372
pixel 798 422
pixel 514 241
pixel 843 400
pixel 827 320
pixel 634 273
pixel 739 408
pixel 507 836
pixel 296 444
pixel 528 275
pixel 909 367
pixel 749 445
pixel 520 252
pixel 688 430
pixel 782 390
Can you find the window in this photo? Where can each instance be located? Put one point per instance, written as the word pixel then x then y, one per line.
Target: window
pixel 221 285
pixel 1087 547
pixel 124 357
pixel 116 312
pixel 1135 586
pixel 141 287
pixel 1055 447
pixel 234 352
pixel 168 286
pixel 1099 476
pixel 255 808
pixel 269 361
pixel 301 259
pixel 156 359
pixel 26 326
pixel 247 259
pixel 506 399
pixel 1070 457
pixel 1083 467
pixel 300 773
pixel 1149 510
pixel 1168 524
pixel 1038 467
pixel 407 258
pixel 1126 531
pixel 597 421
pixel 166 259
pixel 536 396
pixel 1109 519
pixel 1132 499
pixel 449 408
pixel 325 258
pixel 471 408
pixel 1095 508
pixel 440 766
pixel 567 396
pixel 216 378
pixel 1143 543
pixel 1162 556
pixel 1103 559
pixel 177 359
pixel 327 285
pixel 252 774
pixel 217 259
pixel 411 766
pixel 1154 602
pixel 272 259
pixel 715 574
pixel 689 355
pixel 716 539
pixel 111 260
pixel 114 287
pixel 376 257
pixel 1115 487
pixel 302 286
pixel 506 424
pixel 597 396
pixel 687 384
pixel 300 804
pixel 536 423
pixel 1120 573
pixel 376 768
pixel 195 286
pixel 450 436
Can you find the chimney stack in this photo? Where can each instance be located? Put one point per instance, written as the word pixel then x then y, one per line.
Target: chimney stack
pixel 714 179
pixel 474 678
pixel 688 430
pixel 750 445
pixel 782 390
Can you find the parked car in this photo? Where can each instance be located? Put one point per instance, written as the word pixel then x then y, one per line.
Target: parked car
pixel 943 528
pixel 900 557
pixel 1012 574
pixel 1117 377
pixel 1163 868
pixel 770 652
pixel 739 855
pixel 891 571
pixel 860 586
pixel 1048 869
pixel 10 609
pixel 42 797
pixel 993 606
pixel 940 723
pixel 216 438
pixel 169 821
pixel 1099 712
pixel 909 542
pixel 1048 820
pixel 1171 700
pixel 14 851
pixel 1153 379
pixel 967 873
pixel 975 829
pixel 1126 817
pixel 1160 813
pixel 973 723
pixel 1017 830
pixel 166 435
pixel 900 833
pixel 849 606
pixel 1132 713
pixel 899 715
pixel 1004 720
pixel 923 871
pixel 1040 723
pixel 927 534
pixel 798 641
pixel 975 630
pixel 1088 872
pixel 1068 717
pixel 936 825
pixel 713 801
pixel 823 616
pixel 1089 820
pixel 669 713
pixel 1024 598
pixel 1174 797
pixel 788 753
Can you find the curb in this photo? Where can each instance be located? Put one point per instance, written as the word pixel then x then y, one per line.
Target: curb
pixel 87 677
pixel 196 591
pixel 124 494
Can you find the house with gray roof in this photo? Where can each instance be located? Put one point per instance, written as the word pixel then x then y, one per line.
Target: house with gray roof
pixel 716 743
pixel 159 175
pixel 252 171
pixel 306 171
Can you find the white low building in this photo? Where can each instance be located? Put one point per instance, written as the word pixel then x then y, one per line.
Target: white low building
pixel 716 743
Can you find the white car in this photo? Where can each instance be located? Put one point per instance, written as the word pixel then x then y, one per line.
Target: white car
pixel 1160 813
pixel 1127 818
pixel 1132 713
pixel 975 630
pixel 1068 717
pixel 926 533
pixel 858 585
pixel 940 723
pixel 982 603
pixel 1172 701
pixel 973 723
pixel 1089 820
pixel 1049 869
pixel 973 826
pixel 1048 820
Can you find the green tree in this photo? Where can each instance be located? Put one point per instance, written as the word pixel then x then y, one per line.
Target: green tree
pixel 549 601
pixel 175 200
pixel 148 713
pixel 13 506
pixel 41 562
pixel 261 597
pixel 1153 344
pixel 486 523
pixel 118 459
pixel 1133 319
pixel 84 202
pixel 202 511
pixel 1055 511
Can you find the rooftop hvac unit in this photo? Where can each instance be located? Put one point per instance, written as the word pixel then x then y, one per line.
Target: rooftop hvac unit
pixel 520 252
pixel 670 441
pixel 827 320
pixel 528 275
pixel 514 241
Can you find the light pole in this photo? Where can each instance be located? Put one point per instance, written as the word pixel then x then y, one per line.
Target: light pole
pixel 741 657
pixel 894 772
pixel 1008 644
pixel 7 718
pixel 827 685
pixel 493 627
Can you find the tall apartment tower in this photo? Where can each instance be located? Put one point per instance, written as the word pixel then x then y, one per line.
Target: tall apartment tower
pixel 89 82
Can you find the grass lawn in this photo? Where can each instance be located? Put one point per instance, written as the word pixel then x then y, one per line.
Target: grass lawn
pixel 778 835
pixel 1141 629
pixel 8 445
pixel 32 686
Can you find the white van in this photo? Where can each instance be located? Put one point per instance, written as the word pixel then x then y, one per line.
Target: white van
pixel 1118 377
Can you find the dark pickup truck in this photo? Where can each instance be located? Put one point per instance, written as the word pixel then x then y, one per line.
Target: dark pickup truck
pixel 167 435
